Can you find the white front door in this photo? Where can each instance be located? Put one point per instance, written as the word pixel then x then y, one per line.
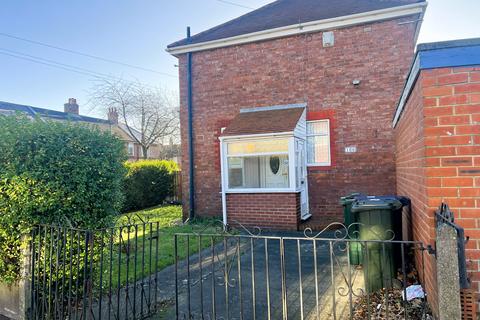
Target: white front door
pixel 276 171
pixel 301 175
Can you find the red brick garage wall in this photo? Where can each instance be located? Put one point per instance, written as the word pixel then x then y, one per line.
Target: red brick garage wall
pixel 279 211
pixel 412 182
pixel 299 69
pixel 446 103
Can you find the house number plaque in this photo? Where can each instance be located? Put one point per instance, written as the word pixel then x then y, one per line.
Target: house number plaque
pixel 351 149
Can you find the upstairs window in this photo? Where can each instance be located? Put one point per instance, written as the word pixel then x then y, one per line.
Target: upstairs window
pixel 318 143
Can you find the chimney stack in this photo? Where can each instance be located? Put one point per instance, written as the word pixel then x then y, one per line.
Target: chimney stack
pixel 112 115
pixel 71 106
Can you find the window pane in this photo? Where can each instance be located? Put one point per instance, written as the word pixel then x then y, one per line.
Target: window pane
pixel 318 149
pixel 235 172
pixel 317 127
pixel 130 149
pixel 260 146
pixel 265 172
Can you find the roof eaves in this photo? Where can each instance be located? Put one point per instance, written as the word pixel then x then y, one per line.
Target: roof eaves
pixel 134 134
pixel 449 44
pixel 255 135
pixel 271 108
pixel 185 40
pixel 48 113
pixel 301 28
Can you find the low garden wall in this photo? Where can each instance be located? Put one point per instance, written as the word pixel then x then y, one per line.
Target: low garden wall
pixel 279 211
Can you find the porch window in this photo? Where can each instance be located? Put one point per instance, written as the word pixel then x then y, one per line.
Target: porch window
pixel 318 143
pixel 258 164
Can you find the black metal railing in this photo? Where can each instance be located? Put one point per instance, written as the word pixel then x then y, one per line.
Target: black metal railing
pixel 103 274
pixel 309 276
pixel 177 187
pixel 115 273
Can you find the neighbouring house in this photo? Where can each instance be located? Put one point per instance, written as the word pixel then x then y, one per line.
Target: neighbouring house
pixel 71 113
pixel 291 107
pixel 437 129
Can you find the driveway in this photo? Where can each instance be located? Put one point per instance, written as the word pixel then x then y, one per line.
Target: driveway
pixel 255 292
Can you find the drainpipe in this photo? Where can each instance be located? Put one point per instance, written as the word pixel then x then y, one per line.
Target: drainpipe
pixel 222 178
pixel 191 166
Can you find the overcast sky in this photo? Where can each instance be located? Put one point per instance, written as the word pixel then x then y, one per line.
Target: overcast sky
pixel 136 33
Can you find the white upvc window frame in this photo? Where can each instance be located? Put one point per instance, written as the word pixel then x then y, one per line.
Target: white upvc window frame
pixel 291 162
pixel 320 164
pixel 132 145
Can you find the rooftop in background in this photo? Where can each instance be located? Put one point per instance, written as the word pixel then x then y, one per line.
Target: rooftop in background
pixel 7 107
pixel 444 54
pixel 283 13
pixel 276 119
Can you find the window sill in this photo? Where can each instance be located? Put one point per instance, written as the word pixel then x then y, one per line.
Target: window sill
pixel 317 167
pixel 262 191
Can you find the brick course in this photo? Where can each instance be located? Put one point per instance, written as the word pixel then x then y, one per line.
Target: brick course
pixel 276 211
pixel 437 152
pixel 299 69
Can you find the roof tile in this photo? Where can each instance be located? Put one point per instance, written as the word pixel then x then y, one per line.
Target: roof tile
pixel 263 122
pixel 290 12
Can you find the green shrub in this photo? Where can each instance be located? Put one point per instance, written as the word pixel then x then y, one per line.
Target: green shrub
pixel 148 183
pixel 54 173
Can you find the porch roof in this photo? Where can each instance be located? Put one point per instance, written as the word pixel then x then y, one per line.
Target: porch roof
pixel 266 120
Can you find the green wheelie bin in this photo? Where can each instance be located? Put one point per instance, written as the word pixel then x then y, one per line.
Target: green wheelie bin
pixel 355 249
pixel 377 219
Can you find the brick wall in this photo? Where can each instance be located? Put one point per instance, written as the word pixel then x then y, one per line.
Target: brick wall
pixel 438 157
pixel 279 211
pixel 297 69
pixel 411 179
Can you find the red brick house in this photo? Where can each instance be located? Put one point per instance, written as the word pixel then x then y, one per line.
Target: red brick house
pixel 437 126
pixel 71 112
pixel 290 107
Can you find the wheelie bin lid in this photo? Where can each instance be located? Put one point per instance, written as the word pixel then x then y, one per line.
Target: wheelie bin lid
pixel 351 198
pixel 362 205
pixel 404 200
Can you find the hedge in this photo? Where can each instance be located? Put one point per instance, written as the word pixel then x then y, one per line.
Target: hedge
pixel 54 173
pixel 148 183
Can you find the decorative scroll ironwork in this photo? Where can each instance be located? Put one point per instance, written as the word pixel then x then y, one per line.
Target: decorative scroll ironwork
pixel 351 232
pixel 220 228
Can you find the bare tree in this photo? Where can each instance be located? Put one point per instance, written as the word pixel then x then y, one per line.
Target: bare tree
pixel 151 115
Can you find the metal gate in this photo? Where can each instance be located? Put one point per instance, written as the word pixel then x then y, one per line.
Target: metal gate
pixel 324 275
pixel 114 274
pixel 101 274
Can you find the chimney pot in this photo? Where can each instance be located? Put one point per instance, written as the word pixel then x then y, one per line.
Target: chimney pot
pixel 112 115
pixel 71 106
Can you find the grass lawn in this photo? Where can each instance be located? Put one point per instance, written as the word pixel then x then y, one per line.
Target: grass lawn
pixel 152 249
